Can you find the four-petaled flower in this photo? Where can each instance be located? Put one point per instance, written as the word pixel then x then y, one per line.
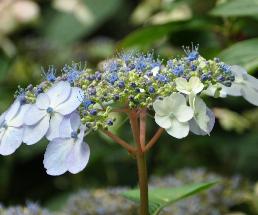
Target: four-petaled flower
pixel 173 114
pixel 68 152
pixel 45 116
pixel 11 129
pixel 244 85
pixel 193 86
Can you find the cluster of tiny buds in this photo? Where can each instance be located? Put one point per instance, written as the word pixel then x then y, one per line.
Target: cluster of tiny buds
pixel 129 78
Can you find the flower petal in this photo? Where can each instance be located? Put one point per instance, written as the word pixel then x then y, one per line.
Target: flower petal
pixel 2 118
pixel 18 120
pixel 34 133
pixel 238 70
pixel 59 93
pixel 250 94
pixel 180 110
pixel 54 126
pixel 252 81
pixel 71 103
pixel 34 115
pixel 11 140
pixel 195 85
pixel 43 101
pixel 200 113
pixel 234 90
pixel 163 121
pixel 75 121
pixel 212 89
pixel 12 111
pixel 195 128
pixel 182 85
pixel 55 158
pixel 65 127
pixel 78 158
pixel 162 107
pixel 178 129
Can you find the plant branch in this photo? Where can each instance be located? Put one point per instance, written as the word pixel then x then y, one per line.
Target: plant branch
pixel 120 141
pixel 135 127
pixel 143 128
pixel 154 139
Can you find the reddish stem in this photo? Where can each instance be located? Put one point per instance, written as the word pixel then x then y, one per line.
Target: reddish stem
pixel 143 128
pixel 154 139
pixel 120 141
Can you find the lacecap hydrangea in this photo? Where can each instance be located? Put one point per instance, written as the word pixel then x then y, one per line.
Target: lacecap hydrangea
pixel 71 103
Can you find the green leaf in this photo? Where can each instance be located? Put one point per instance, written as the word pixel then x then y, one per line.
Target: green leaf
pixel 242 53
pixel 64 28
pixel 146 36
pixel 236 8
pixel 162 197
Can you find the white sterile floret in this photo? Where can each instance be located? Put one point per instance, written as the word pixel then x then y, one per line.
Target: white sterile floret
pixel 67 153
pixel 45 116
pixel 215 91
pixel 203 121
pixel 173 114
pixel 244 85
pixel 11 128
pixel 193 86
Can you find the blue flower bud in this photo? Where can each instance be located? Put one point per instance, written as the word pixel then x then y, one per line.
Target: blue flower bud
pixel 193 67
pixel 93 112
pixel 178 71
pixel 121 84
pixel 149 73
pixel 193 56
pixel 113 78
pixel 50 75
pixel 110 122
pixel 226 68
pixel 116 97
pixel 86 103
pixel 220 78
pixel 204 77
pixel 133 85
pixel 98 75
pixel 151 89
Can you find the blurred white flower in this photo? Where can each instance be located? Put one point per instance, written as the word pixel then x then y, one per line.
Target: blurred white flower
pixel 244 85
pixel 11 127
pixel 69 152
pixel 76 7
pixel 203 121
pixel 215 91
pixel 193 86
pixel 25 11
pixel 45 116
pixel 15 12
pixel 173 114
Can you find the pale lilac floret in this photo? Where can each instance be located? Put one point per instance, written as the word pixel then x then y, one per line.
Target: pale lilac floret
pixel 173 114
pixel 11 127
pixel 45 116
pixel 69 152
pixel 244 85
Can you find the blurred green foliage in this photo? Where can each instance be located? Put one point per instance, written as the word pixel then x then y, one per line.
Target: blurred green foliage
pixel 92 30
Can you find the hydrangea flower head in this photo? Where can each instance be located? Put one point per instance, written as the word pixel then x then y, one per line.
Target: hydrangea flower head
pixel 71 103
